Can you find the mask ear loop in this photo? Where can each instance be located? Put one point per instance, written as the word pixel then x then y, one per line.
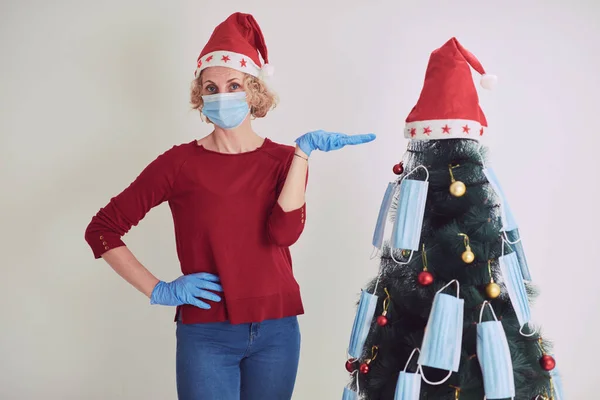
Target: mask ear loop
pixel 508 241
pixel 377 282
pixel 528 334
pixel 449 372
pixel 412 251
pixel 450 283
pixel 374 253
pixel 355 372
pixel 535 331
pixel 401 262
pixel 487 303
pixel 410 358
pixel 416 168
pixel 481 156
pixel 351 359
pixel 433 383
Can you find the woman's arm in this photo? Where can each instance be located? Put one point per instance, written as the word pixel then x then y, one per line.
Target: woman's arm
pixel 124 263
pixel 292 195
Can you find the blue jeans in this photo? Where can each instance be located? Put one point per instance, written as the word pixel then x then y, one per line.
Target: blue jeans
pixel 220 361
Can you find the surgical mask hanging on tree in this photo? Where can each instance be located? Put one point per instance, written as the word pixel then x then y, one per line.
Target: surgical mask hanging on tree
pixel 556 390
pixel 408 386
pixel 515 286
pixel 226 110
pixel 442 341
pixel 406 234
pixel 494 358
pixel 350 394
pixel 509 223
pixel 383 216
pixel 362 322
pixel 556 385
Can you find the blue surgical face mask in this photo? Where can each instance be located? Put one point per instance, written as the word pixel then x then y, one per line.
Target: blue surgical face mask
pixel 513 280
pixel 442 341
pixel 226 110
pixel 383 215
pixel 508 219
pixel 557 385
pixel 349 394
pixel 362 323
pixel 409 214
pixel 494 358
pixel 408 386
pixel 509 224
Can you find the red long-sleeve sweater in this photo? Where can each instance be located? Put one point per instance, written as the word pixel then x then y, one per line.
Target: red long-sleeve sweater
pixel 227 222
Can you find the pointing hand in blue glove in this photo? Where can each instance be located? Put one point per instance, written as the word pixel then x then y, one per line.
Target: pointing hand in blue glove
pixel 187 289
pixel 327 141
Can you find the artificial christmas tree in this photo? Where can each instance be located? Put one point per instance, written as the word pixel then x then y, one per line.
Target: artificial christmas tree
pixel 447 317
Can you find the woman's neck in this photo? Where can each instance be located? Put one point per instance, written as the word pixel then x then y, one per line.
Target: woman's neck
pixel 238 140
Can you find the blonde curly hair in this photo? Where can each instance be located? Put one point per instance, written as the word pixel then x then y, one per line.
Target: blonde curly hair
pixel 260 99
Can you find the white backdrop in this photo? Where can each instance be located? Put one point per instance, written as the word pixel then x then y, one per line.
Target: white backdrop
pixel 91 91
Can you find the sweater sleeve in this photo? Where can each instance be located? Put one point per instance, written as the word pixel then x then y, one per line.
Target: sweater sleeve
pixel 151 187
pixel 285 228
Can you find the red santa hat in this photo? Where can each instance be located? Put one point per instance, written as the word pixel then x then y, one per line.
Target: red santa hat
pixel 448 107
pixel 236 43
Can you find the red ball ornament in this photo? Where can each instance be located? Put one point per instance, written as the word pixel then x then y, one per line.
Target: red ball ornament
pixel 547 362
pixel 364 368
pixel 425 278
pixel 382 320
pixel 350 366
pixel 398 168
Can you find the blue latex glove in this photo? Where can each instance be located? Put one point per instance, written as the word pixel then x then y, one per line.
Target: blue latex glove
pixel 187 289
pixel 327 141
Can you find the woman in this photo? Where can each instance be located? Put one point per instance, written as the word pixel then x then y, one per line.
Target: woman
pixel 237 201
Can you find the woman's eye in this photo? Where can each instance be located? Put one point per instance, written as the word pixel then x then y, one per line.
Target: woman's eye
pixel 211 89
pixel 235 86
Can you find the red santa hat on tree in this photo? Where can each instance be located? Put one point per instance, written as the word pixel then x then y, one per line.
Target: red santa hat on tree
pixel 236 43
pixel 448 107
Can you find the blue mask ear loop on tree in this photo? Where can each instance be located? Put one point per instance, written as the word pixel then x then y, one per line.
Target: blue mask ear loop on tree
pixel 505 236
pixel 412 251
pixel 356 373
pixel 410 358
pixel 449 372
pixel 487 303
pixel 520 330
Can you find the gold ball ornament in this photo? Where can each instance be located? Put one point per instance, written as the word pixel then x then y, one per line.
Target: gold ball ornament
pixel 458 189
pixel 468 256
pixel 492 290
